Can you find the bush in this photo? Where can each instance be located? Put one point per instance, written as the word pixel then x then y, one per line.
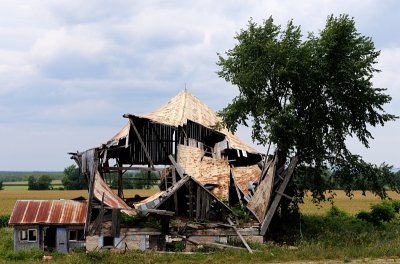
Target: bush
pixel 365 216
pixel 382 212
pixel 396 206
pixel 4 220
pixel 336 212
pixel 33 253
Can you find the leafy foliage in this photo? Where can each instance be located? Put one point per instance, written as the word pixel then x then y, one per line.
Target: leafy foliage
pixel 73 180
pixel 382 212
pixel 307 95
pixel 41 183
pixel 4 220
pixel 1 185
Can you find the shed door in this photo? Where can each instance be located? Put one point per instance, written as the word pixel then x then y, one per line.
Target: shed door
pixel 62 242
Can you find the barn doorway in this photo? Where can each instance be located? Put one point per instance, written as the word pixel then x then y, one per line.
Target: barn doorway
pixel 49 238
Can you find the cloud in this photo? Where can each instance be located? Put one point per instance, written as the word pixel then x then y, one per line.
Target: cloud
pixel 85 63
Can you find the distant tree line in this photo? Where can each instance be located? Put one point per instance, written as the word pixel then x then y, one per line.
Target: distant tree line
pixel 10 176
pixel 140 180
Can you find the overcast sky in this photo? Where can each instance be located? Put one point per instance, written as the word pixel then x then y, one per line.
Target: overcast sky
pixel 69 69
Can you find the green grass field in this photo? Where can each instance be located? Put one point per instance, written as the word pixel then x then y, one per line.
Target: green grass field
pixel 23 185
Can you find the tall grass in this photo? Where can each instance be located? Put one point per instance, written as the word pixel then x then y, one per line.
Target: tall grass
pixel 336 235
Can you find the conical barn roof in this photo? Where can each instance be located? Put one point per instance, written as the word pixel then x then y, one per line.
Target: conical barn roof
pixel 184 106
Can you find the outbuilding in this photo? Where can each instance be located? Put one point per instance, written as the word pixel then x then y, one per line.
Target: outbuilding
pixel 54 225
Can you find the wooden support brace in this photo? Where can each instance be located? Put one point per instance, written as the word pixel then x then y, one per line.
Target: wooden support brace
pixel 240 235
pixel 284 195
pixel 178 167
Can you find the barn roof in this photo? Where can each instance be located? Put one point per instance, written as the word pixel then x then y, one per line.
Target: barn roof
pixel 49 212
pixel 183 107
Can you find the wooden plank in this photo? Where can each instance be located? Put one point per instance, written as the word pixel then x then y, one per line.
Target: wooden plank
pixel 198 201
pixel 240 235
pixel 258 205
pixel 159 212
pixel 278 197
pixel 142 144
pixel 115 222
pixel 237 189
pixel 190 200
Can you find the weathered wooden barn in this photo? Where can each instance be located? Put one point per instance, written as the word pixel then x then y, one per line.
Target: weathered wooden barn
pixel 54 225
pixel 203 170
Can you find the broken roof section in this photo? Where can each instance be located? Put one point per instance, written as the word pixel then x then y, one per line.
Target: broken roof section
pixel 181 108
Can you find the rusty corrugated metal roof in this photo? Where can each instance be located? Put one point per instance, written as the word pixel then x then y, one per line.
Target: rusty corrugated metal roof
pixel 110 198
pixel 49 212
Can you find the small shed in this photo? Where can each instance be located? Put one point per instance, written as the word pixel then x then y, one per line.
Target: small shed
pixel 54 225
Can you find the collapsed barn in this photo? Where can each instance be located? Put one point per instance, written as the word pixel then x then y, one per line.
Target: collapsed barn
pixel 204 171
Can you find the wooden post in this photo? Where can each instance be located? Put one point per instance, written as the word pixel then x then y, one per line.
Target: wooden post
pixel 120 185
pixel 175 194
pixel 278 196
pixel 89 205
pixel 240 236
pixel 198 203
pixel 190 200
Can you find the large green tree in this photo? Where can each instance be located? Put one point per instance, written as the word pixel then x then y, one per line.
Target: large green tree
pixel 73 180
pixel 307 95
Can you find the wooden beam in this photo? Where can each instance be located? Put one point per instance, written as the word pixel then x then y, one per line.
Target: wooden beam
pixel 277 199
pixel 132 168
pixel 178 167
pixel 89 205
pixel 157 211
pixel 175 194
pixel 284 195
pixel 240 235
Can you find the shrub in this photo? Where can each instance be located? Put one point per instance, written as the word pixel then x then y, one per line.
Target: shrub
pixel 396 205
pixel 382 212
pixel 4 220
pixel 336 212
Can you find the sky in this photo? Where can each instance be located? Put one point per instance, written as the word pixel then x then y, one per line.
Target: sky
pixel 69 69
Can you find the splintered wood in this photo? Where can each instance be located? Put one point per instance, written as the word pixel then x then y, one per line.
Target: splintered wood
pixel 259 203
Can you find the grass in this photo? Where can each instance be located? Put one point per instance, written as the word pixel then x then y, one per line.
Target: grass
pixel 317 235
pixel 351 206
